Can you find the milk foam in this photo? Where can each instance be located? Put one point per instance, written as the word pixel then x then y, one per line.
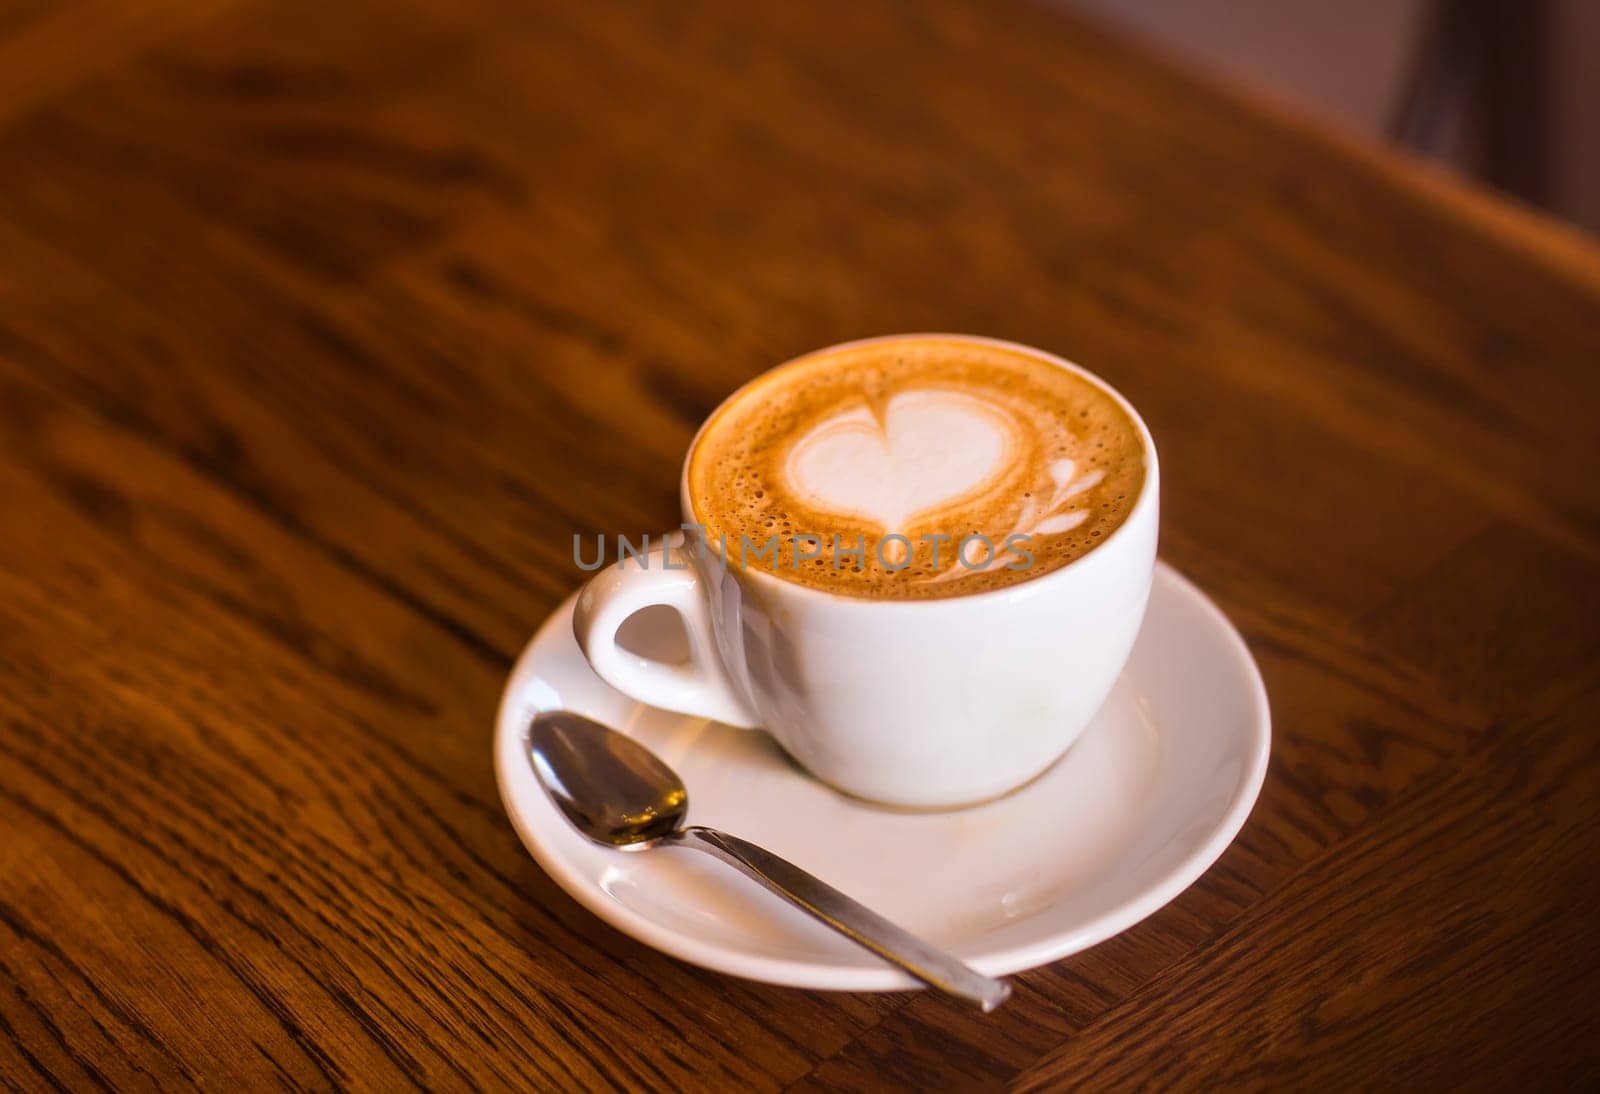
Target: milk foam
pixel 912 456
pixel 921 437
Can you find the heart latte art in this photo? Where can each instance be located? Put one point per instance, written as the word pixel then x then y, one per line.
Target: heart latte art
pixel 915 467
pixel 915 454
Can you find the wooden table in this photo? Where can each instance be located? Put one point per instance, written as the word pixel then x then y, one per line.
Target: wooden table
pixel 323 327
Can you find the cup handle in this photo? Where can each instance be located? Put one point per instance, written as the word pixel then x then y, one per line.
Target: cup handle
pixel 701 686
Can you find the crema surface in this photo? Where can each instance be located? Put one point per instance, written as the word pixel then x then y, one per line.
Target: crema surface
pixel 865 470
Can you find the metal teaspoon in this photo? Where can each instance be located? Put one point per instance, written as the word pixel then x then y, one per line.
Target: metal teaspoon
pixel 617 792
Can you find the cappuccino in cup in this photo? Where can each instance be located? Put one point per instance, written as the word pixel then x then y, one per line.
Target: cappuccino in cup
pixel 915 468
pixel 919 562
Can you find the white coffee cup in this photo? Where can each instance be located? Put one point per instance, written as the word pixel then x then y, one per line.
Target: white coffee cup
pixel 921 703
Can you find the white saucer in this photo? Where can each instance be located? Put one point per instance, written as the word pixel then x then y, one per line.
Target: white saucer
pixel 1142 804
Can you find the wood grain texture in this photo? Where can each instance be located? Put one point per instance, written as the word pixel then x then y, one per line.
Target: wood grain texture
pixel 324 327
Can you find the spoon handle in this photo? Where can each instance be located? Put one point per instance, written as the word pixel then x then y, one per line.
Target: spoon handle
pixel 855 921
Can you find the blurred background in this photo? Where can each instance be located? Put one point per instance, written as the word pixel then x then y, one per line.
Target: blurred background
pixel 1507 91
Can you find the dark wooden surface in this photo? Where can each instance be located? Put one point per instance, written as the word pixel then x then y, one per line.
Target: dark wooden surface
pixel 323 327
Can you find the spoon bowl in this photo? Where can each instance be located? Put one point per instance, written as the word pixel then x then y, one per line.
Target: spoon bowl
pixel 612 788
